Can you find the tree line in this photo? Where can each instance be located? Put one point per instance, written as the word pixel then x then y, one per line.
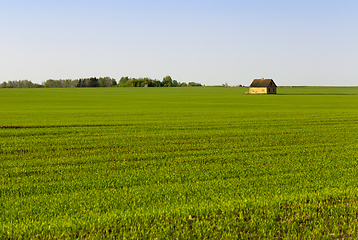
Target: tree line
pixel 100 82
pixel 20 84
pixel 148 82
pixel 81 82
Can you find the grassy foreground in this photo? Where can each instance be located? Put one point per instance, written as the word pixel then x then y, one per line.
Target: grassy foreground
pixel 178 163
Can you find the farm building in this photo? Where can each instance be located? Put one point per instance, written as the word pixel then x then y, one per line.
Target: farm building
pixel 263 86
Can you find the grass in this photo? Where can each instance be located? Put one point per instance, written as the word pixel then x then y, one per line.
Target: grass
pixel 178 163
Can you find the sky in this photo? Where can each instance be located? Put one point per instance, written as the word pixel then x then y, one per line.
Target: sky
pixel 296 43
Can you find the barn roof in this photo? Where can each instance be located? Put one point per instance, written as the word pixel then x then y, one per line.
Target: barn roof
pixel 263 83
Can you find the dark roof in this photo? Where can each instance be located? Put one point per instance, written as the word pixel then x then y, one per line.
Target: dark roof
pixel 263 83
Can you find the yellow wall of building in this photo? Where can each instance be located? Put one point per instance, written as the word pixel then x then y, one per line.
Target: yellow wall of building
pixel 255 90
pixel 258 90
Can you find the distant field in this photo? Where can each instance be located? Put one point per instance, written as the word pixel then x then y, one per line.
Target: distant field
pixel 206 162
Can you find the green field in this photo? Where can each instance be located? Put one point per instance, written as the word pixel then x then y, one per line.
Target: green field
pixel 207 162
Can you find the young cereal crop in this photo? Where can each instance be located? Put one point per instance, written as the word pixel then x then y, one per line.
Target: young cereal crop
pixel 178 163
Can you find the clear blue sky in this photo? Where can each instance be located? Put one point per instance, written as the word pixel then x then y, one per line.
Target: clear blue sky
pixel 212 42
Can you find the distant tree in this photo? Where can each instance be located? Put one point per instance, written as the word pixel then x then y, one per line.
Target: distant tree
pixel 167 81
pixel 92 82
pixel 102 82
pixel 74 83
pixel 107 82
pixel 114 82
pixel 10 84
pixel 175 83
pixel 123 80
pixel 29 84
pixel 194 84
pixel 35 85
pixel 49 83
pixel 67 83
pixel 57 83
pixel 3 85
pixel 80 83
